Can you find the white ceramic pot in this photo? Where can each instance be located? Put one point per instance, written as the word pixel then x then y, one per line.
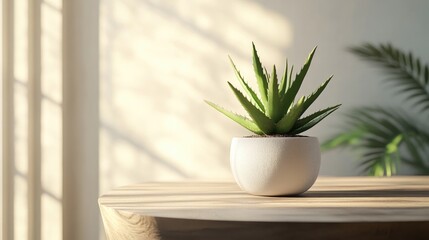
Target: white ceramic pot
pixel 274 166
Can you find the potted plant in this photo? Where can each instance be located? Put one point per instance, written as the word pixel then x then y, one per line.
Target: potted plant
pixel 277 161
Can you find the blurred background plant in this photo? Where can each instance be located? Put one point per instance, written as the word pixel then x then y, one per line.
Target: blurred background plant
pixel 385 137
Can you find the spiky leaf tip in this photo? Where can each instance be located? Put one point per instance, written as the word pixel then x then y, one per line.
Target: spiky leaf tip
pixel 243 121
pixel 261 78
pixel 252 95
pixel 291 93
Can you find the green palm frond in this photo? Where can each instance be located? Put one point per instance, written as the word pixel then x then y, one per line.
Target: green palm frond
pixel 386 137
pixel 418 152
pixel 405 71
pixel 379 134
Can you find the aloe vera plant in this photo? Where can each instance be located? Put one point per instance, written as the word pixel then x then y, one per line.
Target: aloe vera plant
pixel 275 111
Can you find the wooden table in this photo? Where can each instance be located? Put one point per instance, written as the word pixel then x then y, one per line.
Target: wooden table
pixel 334 208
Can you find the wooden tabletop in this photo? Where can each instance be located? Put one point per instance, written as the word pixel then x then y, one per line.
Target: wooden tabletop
pixel 330 200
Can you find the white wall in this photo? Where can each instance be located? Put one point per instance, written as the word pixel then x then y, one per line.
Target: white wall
pixel 160 59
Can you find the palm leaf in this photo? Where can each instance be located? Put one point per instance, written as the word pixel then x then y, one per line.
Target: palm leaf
pixel 402 68
pixel 385 137
pixel 378 133
pixel 346 138
pixel 417 147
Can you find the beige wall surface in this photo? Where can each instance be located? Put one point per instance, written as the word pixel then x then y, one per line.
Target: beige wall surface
pixel 160 59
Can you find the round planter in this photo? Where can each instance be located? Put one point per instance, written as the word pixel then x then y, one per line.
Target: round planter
pixel 275 166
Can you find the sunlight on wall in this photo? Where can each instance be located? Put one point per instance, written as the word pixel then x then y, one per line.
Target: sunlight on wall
pixel 51 119
pixel 21 120
pixel 1 120
pixel 159 60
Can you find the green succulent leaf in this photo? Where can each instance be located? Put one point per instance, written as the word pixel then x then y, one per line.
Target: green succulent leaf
pixel 261 78
pixel 263 122
pixel 310 99
pixel 289 80
pixel 296 84
pixel 284 83
pixel 252 95
pixel 308 122
pixel 243 121
pixel 288 121
pixel 273 110
pixel 267 75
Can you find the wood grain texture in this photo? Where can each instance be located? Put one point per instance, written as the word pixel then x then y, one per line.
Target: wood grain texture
pixel 352 207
